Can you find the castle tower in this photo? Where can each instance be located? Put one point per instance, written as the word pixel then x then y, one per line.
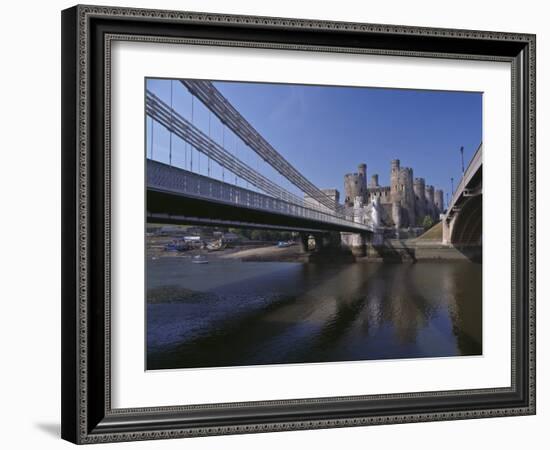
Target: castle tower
pixel 430 206
pixel 395 193
pixel 362 170
pixel 405 185
pixel 394 181
pixel 355 185
pixel 374 181
pixel 420 199
pixel 438 200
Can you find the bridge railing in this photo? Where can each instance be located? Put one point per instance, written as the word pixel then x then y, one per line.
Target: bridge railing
pixel 163 177
pixel 472 168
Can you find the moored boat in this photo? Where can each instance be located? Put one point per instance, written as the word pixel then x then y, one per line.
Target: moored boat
pixel 199 259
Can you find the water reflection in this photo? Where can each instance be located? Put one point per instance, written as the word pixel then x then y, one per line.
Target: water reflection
pixel 270 313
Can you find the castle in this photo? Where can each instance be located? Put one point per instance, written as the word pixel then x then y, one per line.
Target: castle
pixel 405 203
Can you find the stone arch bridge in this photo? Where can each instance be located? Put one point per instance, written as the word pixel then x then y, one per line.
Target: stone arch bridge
pixel 463 221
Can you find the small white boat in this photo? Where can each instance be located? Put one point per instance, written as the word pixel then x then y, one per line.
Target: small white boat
pixel 199 259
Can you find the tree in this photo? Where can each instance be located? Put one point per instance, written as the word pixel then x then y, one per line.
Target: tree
pixel 258 235
pixel 428 222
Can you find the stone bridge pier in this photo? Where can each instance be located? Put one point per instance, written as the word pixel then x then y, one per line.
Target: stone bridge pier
pixel 357 243
pixel 304 242
pixel 362 244
pixel 325 246
pixel 319 242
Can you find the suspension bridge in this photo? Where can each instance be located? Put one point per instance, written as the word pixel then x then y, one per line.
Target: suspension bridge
pixel 180 190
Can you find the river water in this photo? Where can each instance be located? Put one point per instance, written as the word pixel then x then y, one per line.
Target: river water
pixel 233 313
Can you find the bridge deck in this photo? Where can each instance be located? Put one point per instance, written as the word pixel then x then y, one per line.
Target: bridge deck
pixel 470 174
pixel 171 180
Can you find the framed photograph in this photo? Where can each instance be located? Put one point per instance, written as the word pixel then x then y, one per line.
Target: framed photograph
pixel 279 224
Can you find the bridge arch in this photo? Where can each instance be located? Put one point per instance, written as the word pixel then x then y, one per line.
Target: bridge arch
pixel 467 226
pixel 463 221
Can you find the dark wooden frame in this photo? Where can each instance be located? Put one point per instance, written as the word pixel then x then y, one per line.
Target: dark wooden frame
pixel 87 415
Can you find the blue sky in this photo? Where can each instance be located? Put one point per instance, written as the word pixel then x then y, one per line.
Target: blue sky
pixel 326 132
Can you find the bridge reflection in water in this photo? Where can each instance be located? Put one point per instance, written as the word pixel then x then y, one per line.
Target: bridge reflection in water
pixel 294 313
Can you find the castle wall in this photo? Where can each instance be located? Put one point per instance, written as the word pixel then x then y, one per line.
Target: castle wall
pixel 387 212
pixel 383 192
pixel 396 214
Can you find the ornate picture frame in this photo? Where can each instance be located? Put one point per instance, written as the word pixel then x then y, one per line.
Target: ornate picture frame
pixel 88 33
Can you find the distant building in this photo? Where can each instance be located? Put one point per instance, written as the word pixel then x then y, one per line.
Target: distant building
pixel 333 194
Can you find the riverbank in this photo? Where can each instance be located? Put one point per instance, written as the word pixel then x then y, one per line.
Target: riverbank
pixel 392 251
pixel 414 250
pixel 260 252
pixel 270 253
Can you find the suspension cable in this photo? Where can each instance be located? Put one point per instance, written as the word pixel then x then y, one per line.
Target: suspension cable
pixel 236 157
pixel 210 136
pixel 171 118
pixel 152 131
pixel 223 146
